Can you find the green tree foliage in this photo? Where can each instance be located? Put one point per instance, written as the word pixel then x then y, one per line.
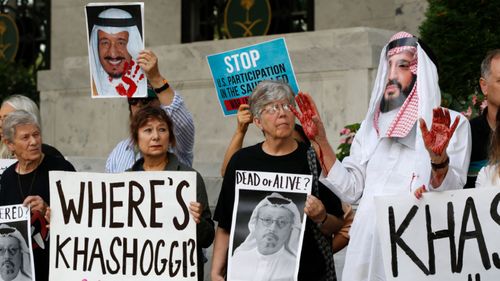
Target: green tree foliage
pixel 460 32
pixel 17 79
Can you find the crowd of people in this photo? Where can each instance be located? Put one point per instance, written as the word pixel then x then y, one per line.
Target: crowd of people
pixel 404 124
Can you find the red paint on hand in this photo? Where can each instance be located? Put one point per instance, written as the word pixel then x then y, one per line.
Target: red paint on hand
pixel 437 139
pixel 306 115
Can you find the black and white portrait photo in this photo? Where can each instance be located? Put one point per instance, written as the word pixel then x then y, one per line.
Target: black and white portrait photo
pixel 267 235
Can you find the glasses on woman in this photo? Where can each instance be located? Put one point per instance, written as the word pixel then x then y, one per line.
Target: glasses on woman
pixel 281 223
pixel 274 108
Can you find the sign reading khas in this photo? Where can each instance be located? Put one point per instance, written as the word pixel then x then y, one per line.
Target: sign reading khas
pixel 237 72
pixel 451 235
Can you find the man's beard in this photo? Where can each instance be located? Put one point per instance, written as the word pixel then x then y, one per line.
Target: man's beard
pixel 393 103
pixel 7 267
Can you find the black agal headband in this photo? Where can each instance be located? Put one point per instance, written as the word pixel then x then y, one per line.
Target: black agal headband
pixel 116 22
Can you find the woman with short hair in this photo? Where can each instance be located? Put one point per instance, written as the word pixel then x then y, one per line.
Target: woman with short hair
pixel 20 102
pixel 27 181
pixel 271 105
pixel 152 132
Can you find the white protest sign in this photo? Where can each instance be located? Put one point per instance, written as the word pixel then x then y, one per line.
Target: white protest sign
pixel 5 163
pixel 450 235
pixel 268 225
pixel 128 226
pixel 15 222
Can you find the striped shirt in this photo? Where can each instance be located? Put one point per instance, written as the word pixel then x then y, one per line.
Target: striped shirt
pixel 126 153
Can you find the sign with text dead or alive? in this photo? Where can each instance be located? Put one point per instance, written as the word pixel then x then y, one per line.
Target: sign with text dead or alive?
pixel 268 225
pixel 450 235
pixel 128 226
pixel 237 72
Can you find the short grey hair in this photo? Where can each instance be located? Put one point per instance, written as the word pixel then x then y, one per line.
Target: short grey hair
pixel 486 64
pixel 17 118
pixel 20 102
pixel 267 92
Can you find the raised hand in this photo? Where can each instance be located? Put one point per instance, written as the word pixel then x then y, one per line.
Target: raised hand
pixel 307 112
pixel 244 117
pixel 148 61
pixel 130 78
pixel 436 140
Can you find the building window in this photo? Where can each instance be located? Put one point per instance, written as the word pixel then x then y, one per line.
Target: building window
pixel 223 19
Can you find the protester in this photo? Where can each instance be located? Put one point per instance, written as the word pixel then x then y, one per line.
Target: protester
pixel 270 105
pixel 489 176
pixel 483 125
pixel 125 153
pixel 244 118
pixel 20 102
pixel 270 250
pixel 152 131
pixel 389 154
pixel 27 181
pixel 14 255
pixel 115 41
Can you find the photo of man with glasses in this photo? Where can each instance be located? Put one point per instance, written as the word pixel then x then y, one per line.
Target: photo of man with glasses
pixel 14 255
pixel 269 251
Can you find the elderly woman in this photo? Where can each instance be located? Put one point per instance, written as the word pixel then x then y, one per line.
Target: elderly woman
pixel 20 102
pixel 270 104
pixel 152 132
pixel 27 181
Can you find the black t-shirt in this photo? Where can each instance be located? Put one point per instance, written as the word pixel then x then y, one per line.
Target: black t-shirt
pixel 15 187
pixel 481 133
pixel 253 158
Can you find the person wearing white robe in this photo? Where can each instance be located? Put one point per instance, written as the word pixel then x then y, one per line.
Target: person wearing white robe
pixel 389 156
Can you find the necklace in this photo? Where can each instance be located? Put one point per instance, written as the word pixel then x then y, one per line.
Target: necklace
pixel 32 179
pixel 21 187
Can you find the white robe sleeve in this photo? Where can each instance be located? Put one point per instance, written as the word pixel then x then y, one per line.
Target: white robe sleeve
pixel 347 178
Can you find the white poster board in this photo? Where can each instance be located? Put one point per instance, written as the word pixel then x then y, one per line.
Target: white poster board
pixel 15 239
pixel 5 163
pixel 128 226
pixel 268 225
pixel 452 235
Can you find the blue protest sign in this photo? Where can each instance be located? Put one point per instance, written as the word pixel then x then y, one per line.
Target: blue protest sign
pixel 237 72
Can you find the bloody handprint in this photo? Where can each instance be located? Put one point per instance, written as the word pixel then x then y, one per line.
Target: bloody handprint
pixel 436 140
pixel 305 116
pixel 128 79
pixel 307 113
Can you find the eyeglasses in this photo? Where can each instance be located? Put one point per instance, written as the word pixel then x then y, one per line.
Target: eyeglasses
pixel 11 251
pixel 139 101
pixel 274 108
pixel 281 223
